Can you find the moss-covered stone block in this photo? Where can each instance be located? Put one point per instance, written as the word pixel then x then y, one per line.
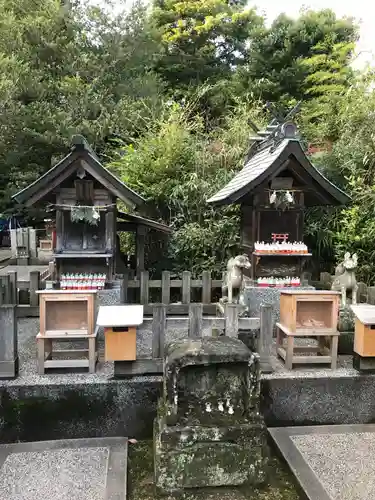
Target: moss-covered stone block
pixel 209 457
pixel 208 431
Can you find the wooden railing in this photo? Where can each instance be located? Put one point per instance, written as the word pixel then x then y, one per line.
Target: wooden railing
pixel 166 286
pixel 23 293
pixel 259 333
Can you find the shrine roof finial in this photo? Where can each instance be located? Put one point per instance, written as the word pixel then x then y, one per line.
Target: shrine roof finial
pixel 280 127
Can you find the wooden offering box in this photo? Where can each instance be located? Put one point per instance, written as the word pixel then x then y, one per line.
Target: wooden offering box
pixel 69 312
pixel 364 337
pixel 66 315
pixel 120 331
pixel 309 311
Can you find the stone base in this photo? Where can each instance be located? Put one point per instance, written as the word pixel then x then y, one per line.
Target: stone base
pixel 255 297
pixel 197 456
pixel 346 343
pixel 346 319
pixel 9 369
pixel 363 364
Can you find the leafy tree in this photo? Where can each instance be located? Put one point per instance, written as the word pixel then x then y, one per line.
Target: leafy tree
pixel 177 166
pixel 202 40
pixel 293 57
pixel 351 164
pixel 68 70
pixel 328 78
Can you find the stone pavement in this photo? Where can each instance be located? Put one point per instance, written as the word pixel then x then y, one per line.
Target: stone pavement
pixel 80 469
pixel 334 462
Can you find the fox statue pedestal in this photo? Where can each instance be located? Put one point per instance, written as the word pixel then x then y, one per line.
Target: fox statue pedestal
pixel 208 431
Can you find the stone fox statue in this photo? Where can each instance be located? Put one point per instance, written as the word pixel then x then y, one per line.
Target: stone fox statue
pixel 344 278
pixel 234 277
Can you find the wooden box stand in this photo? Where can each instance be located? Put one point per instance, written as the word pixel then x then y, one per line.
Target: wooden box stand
pixel 364 337
pixel 67 315
pixel 120 331
pixel 308 314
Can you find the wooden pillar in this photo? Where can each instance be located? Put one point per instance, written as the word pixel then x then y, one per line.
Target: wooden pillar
pixel 110 239
pixel 59 230
pixel 140 249
pixel 195 320
pixel 159 325
pixel 110 218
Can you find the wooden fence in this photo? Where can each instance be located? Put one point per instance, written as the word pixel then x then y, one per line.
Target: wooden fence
pixel 23 293
pixel 257 333
pixel 166 286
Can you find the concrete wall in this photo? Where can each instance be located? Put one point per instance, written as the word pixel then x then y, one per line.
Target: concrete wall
pixel 128 408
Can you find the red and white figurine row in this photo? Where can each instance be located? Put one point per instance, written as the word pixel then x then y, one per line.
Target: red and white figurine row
pixel 279 282
pixel 82 281
pixel 284 247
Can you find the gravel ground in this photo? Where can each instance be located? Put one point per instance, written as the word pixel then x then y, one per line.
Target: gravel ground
pixel 59 474
pixel 29 327
pixel 344 463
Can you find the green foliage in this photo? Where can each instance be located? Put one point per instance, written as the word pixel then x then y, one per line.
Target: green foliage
pixel 284 58
pixel 176 166
pixel 67 71
pixel 328 78
pixel 352 165
pixel 202 39
pixel 165 94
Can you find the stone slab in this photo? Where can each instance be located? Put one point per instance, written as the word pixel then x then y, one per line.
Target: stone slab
pixel 330 462
pixel 363 364
pixel 92 469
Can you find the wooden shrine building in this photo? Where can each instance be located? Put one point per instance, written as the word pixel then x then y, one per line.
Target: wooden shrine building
pixel 276 184
pixel 84 195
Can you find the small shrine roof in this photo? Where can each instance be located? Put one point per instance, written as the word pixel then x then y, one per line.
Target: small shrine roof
pixel 267 158
pixel 115 316
pixel 66 167
pixel 142 221
pixel 365 313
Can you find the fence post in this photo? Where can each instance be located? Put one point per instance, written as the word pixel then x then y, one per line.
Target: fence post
pixel 7 289
pixel 371 295
pixel 326 279
pixel 13 287
pixel 306 278
pixel 51 271
pixel 362 292
pixel 159 324
pixel 206 287
pixel 8 342
pixel 144 290
pixel 34 286
pixel 195 320
pixel 186 287
pixel 165 287
pixel 265 338
pixel 231 320
pixel 124 287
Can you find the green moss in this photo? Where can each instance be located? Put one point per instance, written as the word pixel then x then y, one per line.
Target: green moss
pixel 141 487
pixel 41 418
